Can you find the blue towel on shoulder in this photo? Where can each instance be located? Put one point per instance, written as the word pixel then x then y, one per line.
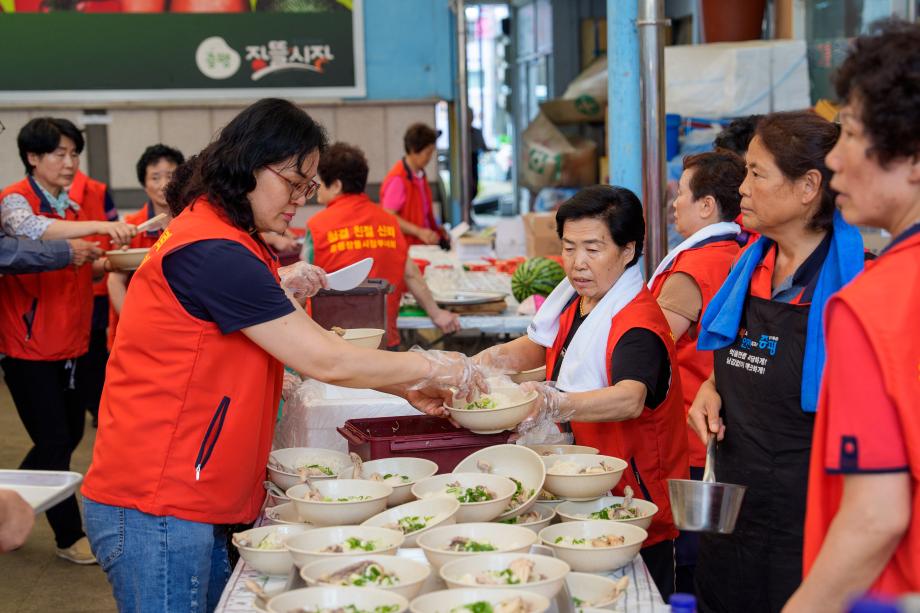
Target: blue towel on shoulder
pixel 719 327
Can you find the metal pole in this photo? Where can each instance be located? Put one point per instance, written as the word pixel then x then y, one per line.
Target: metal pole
pixel 624 146
pixel 651 24
pixel 463 113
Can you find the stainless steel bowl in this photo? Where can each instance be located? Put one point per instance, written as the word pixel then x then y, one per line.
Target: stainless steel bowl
pixel 698 506
pixel 706 506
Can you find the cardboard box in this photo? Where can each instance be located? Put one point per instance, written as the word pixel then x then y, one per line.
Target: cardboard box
pixel 585 99
pixel 593 40
pixel 550 159
pixel 510 238
pixel 474 248
pixel 540 234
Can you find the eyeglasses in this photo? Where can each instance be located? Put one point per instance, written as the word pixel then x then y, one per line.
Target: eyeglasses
pixel 298 190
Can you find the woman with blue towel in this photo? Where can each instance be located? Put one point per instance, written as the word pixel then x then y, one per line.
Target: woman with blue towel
pixel 765 326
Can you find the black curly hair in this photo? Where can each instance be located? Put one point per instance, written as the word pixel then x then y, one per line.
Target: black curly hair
pixel 737 135
pixel 617 206
pixel 800 141
pixel 345 163
pixel 267 132
pixel 718 174
pixel 152 155
pixel 882 73
pixel 418 136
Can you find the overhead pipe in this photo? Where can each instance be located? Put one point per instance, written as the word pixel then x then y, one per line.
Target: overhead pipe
pixel 624 142
pixel 463 114
pixel 651 25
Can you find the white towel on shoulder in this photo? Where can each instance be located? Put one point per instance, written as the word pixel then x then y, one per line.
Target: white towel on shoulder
pixel 585 365
pixel 704 233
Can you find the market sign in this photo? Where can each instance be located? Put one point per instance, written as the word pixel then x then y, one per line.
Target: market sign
pixel 77 56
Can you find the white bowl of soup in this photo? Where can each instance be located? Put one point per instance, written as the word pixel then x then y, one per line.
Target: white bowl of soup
pixel 482 497
pixel 342 542
pixel 447 543
pixel 390 573
pixel 594 546
pixel 417 517
pixel 582 476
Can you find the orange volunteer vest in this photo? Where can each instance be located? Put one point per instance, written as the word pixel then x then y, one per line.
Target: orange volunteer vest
pixel 46 315
pixel 187 413
pixel 352 228
pixel 413 210
pixel 654 444
pixel 144 239
pixel 90 195
pixel 885 298
pixel 709 266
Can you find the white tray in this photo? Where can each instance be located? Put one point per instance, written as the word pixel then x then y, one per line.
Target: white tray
pixel 41 488
pixel 467 297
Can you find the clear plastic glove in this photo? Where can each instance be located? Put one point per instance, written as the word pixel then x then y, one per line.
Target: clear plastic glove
pixel 494 361
pixel 450 369
pixel 549 409
pixel 303 280
pixel 289 384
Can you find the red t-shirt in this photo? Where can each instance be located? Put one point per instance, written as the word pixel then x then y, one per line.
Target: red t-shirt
pixel 864 431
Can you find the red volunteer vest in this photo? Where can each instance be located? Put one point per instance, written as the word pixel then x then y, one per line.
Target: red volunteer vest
pixel 709 266
pixel 885 299
pixel 46 315
pixel 90 195
pixel 352 228
pixel 654 444
pixel 144 239
pixel 187 413
pixel 413 210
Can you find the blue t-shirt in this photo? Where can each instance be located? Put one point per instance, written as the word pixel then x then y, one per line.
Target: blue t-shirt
pixel 223 282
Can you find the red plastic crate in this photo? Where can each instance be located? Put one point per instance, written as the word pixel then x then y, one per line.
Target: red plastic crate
pixel 418 436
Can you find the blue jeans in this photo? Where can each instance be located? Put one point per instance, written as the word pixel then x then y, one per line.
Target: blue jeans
pixel 158 564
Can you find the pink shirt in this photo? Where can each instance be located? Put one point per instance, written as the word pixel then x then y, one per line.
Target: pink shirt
pixel 394 196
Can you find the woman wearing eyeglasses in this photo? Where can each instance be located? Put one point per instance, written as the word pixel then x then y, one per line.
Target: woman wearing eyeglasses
pixel 188 410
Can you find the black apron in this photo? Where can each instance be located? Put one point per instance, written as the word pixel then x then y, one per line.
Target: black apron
pixel 766 447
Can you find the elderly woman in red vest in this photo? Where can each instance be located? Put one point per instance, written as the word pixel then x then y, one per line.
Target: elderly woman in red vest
pixel 194 381
pixel 45 318
pixel 608 347
pixel 765 326
pixel 405 191
pixel 155 169
pixel 688 277
pixel 862 527
pixel 353 227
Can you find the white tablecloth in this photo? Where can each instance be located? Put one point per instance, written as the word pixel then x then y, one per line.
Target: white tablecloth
pixel 641 595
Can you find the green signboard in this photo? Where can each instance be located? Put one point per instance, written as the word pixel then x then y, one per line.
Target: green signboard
pixel 72 56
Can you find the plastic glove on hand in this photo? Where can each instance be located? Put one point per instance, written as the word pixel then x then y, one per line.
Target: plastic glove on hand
pixel 494 361
pixel 549 408
pixel 289 384
pixel 450 369
pixel 303 280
